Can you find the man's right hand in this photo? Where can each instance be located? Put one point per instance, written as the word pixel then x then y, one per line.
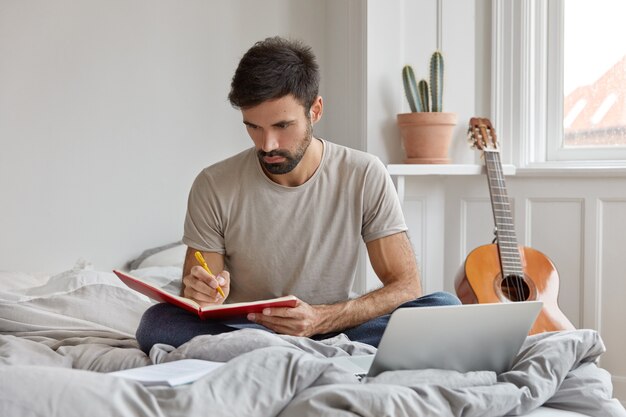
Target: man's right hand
pixel 201 286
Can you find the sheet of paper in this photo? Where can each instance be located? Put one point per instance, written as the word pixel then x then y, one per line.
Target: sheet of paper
pixel 174 373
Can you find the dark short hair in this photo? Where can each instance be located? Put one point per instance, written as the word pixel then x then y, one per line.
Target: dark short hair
pixel 273 68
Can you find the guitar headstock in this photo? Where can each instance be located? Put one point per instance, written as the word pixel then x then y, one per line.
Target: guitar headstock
pixel 482 135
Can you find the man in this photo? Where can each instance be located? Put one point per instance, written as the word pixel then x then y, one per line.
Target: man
pixel 288 217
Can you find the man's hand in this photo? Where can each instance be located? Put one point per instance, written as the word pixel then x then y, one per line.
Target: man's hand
pixel 302 320
pixel 394 263
pixel 201 286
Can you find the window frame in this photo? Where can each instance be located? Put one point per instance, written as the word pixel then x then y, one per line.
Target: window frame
pixel 527 88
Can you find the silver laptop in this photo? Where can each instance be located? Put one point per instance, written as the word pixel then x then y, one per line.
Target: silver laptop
pixel 464 338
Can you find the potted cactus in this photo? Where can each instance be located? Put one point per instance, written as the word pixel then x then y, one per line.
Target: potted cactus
pixel 427 131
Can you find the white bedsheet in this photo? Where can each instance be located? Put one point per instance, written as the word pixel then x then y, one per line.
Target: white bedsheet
pixel 53 337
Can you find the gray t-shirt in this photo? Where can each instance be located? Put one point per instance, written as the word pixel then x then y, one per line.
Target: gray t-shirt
pixel 301 240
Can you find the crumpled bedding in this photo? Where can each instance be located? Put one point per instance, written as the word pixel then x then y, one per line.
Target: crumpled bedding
pixel 59 340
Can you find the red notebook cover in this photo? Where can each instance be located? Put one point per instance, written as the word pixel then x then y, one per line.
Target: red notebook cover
pixel 208 312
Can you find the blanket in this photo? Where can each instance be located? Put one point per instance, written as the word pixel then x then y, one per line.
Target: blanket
pixel 58 342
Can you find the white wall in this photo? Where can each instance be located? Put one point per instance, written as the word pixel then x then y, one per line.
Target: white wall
pixel 394 39
pixel 344 91
pixel 401 32
pixel 108 110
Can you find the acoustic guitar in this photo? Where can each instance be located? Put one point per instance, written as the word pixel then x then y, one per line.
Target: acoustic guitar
pixel 504 271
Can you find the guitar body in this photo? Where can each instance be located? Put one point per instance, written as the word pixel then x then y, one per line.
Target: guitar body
pixel 481 281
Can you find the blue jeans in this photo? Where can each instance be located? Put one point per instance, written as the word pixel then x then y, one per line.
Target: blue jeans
pixel 165 323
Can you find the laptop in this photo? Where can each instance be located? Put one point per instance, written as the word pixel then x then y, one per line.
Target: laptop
pixel 464 338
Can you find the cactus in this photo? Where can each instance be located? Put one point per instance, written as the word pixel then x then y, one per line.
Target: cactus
pixel 410 89
pixel 423 94
pixel 436 80
pixel 417 94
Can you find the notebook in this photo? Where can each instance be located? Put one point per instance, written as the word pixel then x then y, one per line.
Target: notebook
pixel 464 338
pixel 207 312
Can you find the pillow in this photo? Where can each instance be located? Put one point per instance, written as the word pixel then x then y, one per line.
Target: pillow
pixel 172 254
pixel 17 280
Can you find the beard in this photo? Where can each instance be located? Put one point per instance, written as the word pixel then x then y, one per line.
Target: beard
pixel 292 159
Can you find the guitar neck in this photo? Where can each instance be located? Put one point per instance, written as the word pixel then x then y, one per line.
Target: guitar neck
pixel 505 229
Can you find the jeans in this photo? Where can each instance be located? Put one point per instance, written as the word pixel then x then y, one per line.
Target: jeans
pixel 165 323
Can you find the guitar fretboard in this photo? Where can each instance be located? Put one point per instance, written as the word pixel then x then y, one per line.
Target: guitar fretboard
pixel 505 229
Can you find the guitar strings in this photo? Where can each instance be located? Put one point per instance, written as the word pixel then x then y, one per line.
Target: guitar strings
pixel 484 138
pixel 517 278
pixel 500 229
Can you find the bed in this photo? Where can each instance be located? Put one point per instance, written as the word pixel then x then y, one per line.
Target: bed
pixel 61 335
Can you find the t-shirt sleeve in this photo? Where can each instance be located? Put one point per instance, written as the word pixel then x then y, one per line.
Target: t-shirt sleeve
pixel 382 213
pixel 204 221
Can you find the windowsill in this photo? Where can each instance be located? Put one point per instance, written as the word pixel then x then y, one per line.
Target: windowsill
pixel 443 169
pixel 574 169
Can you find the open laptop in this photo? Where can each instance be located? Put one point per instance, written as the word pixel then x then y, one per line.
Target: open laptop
pixel 464 338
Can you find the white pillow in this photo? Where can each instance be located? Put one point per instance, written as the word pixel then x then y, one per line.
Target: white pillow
pixel 168 255
pixel 174 256
pixel 10 280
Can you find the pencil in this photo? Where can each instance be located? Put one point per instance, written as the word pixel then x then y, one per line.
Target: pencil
pixel 200 259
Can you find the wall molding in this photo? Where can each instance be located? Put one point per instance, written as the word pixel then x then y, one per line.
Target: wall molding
pixel 600 273
pixel 528 227
pixel 463 222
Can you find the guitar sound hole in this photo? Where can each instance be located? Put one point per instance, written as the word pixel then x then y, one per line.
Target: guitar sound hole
pixel 514 288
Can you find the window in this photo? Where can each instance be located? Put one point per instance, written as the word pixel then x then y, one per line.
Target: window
pixel 560 80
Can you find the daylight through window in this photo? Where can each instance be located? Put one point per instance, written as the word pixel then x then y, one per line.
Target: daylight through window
pixel 594 74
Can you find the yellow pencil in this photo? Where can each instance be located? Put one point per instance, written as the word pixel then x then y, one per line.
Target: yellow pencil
pixel 200 259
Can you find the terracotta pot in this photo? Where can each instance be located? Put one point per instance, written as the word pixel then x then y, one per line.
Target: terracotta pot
pixel 426 136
